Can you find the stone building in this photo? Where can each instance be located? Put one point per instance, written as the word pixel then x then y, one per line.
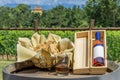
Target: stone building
pixel 37 9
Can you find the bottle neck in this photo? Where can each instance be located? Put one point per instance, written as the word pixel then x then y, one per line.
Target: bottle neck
pixel 97 35
pixel 97 38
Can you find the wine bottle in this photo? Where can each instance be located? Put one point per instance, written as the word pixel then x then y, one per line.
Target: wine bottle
pixel 98 51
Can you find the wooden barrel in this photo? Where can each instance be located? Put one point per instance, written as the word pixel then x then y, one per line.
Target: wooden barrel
pixel 27 71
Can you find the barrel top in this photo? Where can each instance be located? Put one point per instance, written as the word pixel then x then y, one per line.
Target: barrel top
pixel 20 69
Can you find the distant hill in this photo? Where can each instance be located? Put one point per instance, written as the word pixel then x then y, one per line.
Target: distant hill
pixel 45 7
pixel 11 5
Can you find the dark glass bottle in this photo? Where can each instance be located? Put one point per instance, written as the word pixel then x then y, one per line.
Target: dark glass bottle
pixel 98 51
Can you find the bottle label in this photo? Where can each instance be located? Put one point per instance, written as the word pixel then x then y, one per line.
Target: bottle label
pixel 98 51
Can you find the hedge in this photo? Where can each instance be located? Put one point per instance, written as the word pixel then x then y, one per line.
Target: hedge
pixel 8 41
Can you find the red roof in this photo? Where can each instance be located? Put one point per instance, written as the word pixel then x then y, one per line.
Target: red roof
pixel 37 8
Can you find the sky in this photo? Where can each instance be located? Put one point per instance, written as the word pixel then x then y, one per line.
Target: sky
pixel 43 2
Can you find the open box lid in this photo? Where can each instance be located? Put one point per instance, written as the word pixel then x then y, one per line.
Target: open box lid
pixel 81 52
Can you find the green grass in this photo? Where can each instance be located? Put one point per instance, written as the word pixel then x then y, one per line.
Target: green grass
pixel 2 65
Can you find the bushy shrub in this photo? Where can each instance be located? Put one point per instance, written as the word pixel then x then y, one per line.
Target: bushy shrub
pixel 8 40
pixel 113 45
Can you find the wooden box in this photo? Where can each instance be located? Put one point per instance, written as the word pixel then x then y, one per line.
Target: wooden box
pixel 83 53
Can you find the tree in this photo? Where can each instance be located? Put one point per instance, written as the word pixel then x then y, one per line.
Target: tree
pixel 79 18
pixel 15 17
pixel 5 19
pixel 103 11
pixel 22 14
pixel 64 17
